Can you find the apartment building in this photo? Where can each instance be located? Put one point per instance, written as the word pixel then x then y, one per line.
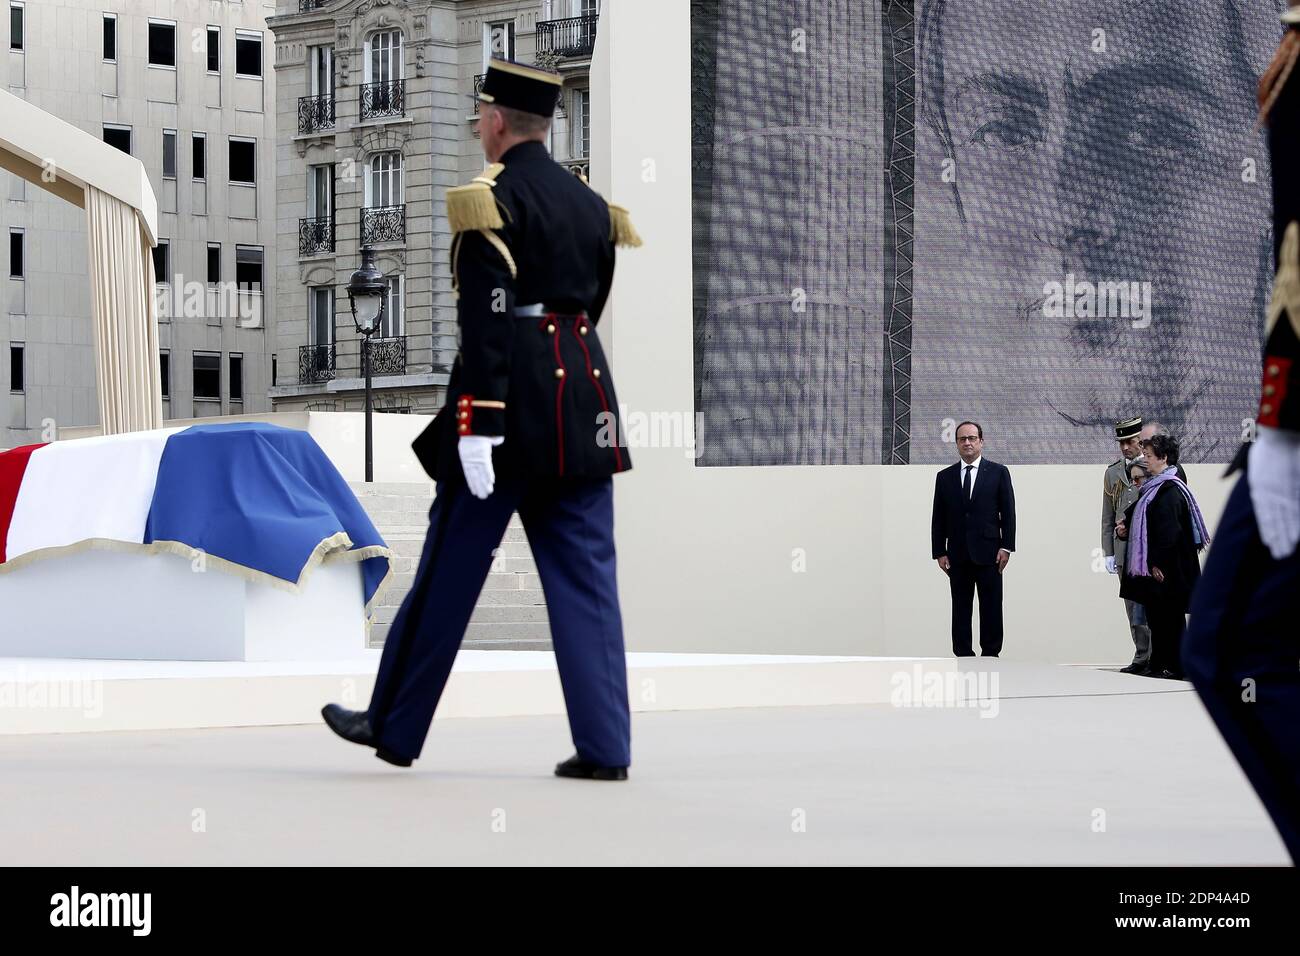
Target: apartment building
pixel 376 119
pixel 187 88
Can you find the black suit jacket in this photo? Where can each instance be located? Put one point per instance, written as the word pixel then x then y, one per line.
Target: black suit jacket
pixel 973 531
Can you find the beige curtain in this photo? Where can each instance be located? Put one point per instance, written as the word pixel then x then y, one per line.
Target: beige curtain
pixel 122 309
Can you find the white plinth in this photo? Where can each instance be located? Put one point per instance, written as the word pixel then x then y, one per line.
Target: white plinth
pixel 124 606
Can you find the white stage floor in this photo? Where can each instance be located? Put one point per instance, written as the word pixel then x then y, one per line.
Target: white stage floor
pixel 1076 766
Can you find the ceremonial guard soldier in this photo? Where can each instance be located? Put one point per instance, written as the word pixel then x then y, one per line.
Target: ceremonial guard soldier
pixel 530 425
pixel 1118 492
pixel 1243 641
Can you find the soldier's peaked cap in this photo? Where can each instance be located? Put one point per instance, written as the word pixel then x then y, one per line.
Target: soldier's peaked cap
pixel 1128 428
pixel 521 87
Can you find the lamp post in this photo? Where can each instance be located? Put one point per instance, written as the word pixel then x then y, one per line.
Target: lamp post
pixel 366 292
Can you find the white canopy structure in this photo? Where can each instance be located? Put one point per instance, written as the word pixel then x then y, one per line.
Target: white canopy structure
pixel 122 216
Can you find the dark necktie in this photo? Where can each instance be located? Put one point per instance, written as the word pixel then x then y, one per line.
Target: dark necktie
pixel 965 483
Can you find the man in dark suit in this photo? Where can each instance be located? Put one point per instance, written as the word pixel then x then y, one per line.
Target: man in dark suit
pixel 530 427
pixel 972 535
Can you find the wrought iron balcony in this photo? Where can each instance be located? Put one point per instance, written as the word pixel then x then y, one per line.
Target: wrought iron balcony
pixel 388 356
pixel 315 236
pixel 315 113
pixel 478 88
pixel 315 363
pixel 383 224
pixel 573 37
pixel 306 6
pixel 579 167
pixel 382 99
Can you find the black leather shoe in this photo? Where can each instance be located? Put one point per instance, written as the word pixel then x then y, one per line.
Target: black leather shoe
pixel 351 725
pixel 389 757
pixel 1165 674
pixel 1133 669
pixel 581 770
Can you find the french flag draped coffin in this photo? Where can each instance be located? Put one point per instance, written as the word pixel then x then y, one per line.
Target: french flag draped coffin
pixel 256 500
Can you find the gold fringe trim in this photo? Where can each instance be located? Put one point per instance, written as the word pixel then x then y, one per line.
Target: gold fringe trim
pixel 332 550
pixel 500 245
pixel 621 230
pixel 1286 287
pixel 472 207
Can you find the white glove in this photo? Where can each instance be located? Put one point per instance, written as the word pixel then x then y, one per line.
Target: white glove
pixel 1110 564
pixel 476 462
pixel 1273 476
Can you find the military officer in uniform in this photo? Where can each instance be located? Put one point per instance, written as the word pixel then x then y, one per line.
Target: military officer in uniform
pixel 1242 648
pixel 530 425
pixel 1118 492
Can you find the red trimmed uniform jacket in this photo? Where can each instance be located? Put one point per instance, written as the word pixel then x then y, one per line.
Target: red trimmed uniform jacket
pixel 541 381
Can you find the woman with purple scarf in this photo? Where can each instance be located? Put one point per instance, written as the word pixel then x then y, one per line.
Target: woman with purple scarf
pixel 1165 530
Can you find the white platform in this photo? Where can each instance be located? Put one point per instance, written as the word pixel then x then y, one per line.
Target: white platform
pixel 138 606
pixel 59 696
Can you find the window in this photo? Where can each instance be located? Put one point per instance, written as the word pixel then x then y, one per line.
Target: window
pixel 243 161
pixel 17 380
pixel 110 37
pixel 321 320
pixel 199 146
pixel 498 41
pixel 322 70
pixel 236 377
pixel 214 49
pixel 214 263
pixel 169 154
pixel 207 376
pixel 248 268
pixel 248 53
pixel 275 367
pixel 165 374
pixel 162 43
pixel 161 261
pixel 384 180
pixel 581 145
pixel 16 254
pixel 16 26
pixel 391 325
pixel 320 191
pixel 119 137
pixel 384 64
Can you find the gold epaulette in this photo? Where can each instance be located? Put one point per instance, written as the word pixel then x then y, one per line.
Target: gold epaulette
pixel 1286 287
pixel 621 230
pixel 473 206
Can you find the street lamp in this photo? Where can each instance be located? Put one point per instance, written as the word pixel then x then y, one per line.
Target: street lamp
pixel 366 292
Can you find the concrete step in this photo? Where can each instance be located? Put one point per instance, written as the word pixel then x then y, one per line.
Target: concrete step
pixel 502 564
pixel 492 645
pixel 514 631
pixel 511 597
pixel 509 614
pixel 511 581
pixel 516 549
pixel 404 488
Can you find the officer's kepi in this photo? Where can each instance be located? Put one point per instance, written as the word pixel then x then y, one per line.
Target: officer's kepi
pixel 520 87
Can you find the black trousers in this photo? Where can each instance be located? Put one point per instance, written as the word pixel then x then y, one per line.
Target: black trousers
pixel 1167 623
pixel 965 578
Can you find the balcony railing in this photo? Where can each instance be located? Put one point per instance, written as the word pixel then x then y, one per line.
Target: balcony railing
pixel 315 236
pixel 570 37
pixel 388 356
pixel 579 167
pixel 478 88
pixel 315 363
pixel 383 224
pixel 306 6
pixel 315 113
pixel 382 99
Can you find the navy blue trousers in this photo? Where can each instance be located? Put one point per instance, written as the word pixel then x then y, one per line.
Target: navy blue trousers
pixel 1242 653
pixel 570 528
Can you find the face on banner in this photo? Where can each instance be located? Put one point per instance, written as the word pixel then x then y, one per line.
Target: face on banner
pixel 1104 209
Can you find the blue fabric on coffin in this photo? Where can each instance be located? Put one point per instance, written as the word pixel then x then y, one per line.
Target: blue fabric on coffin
pixel 262 497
